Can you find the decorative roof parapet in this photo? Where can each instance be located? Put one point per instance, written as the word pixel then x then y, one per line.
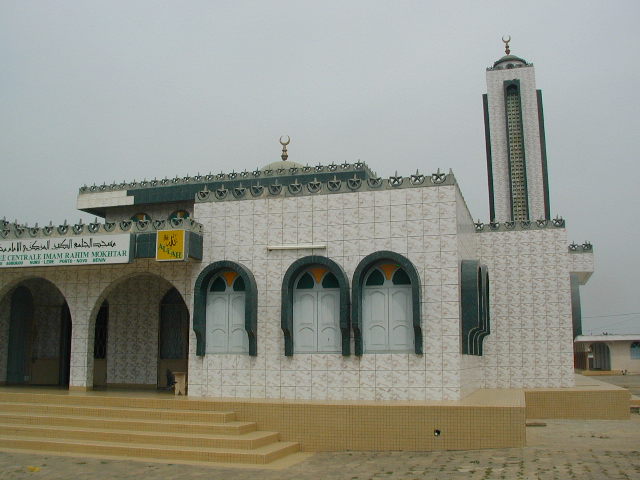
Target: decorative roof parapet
pixel 310 186
pixel 14 230
pixel 586 247
pixel 244 175
pixel 539 224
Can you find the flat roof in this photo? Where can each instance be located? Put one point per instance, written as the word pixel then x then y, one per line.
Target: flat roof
pixel 608 338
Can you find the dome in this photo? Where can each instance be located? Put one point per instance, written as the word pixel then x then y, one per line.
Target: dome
pixel 510 61
pixel 285 164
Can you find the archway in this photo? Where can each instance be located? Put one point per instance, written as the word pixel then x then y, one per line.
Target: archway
pixel 140 330
pixel 38 346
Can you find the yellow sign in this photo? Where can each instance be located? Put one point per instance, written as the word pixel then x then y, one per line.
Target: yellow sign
pixel 170 245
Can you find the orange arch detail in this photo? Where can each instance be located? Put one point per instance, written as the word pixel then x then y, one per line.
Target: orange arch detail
pixel 388 269
pixel 318 273
pixel 229 276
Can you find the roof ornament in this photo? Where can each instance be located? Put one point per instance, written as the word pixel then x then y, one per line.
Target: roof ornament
pixel 506 39
pixel 284 144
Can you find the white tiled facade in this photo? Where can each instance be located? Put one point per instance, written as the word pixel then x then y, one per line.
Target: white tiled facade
pixel 530 344
pixel 418 223
pixel 531 341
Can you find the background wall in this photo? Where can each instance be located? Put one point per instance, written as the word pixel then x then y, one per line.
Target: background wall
pixel 621 357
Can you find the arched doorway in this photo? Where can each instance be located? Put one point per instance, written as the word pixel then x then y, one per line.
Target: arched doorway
pixel 601 357
pixel 173 336
pixel 141 330
pixel 20 326
pixel 39 340
pixel 101 334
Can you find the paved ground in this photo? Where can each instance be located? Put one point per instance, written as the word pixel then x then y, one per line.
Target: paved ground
pixel 630 382
pixel 562 450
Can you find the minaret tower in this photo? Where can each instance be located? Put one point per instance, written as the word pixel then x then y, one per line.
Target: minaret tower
pixel 514 134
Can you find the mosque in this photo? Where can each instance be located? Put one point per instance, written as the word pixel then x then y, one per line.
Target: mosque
pixel 315 283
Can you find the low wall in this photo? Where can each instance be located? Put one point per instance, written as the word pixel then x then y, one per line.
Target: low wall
pixel 590 399
pixel 320 426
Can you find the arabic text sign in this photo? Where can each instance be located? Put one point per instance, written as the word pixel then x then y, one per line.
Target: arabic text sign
pixel 171 245
pixel 84 250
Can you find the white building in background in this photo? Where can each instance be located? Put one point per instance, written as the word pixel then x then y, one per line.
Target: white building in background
pixel 307 282
pixel 608 352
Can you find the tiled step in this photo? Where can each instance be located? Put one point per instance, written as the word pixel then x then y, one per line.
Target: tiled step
pixel 228 428
pixel 119 412
pixel 126 426
pixel 260 455
pixel 109 400
pixel 246 441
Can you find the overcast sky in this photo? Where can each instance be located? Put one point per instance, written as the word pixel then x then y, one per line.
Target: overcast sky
pixel 120 90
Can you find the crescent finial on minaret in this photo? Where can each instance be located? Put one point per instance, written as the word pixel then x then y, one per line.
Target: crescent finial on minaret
pixel 506 39
pixel 284 144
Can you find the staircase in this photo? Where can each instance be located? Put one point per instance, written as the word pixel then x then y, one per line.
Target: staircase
pixel 154 427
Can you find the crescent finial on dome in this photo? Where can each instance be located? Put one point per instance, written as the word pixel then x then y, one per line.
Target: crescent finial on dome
pixel 506 39
pixel 284 144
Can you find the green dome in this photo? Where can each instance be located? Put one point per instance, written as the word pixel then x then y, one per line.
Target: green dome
pixel 516 61
pixel 285 164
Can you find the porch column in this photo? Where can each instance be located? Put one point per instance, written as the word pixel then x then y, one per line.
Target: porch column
pixel 81 370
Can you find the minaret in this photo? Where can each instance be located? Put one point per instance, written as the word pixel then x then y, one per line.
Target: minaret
pixel 514 134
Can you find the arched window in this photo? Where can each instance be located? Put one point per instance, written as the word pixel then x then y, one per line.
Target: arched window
pixel 516 151
pixel 385 305
pixel 204 312
pixel 225 332
pixel 387 316
pixel 315 307
pixel 475 322
pixel 316 312
pixel 635 350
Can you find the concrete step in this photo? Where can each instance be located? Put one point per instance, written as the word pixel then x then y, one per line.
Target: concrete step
pixel 233 427
pixel 246 441
pixel 261 455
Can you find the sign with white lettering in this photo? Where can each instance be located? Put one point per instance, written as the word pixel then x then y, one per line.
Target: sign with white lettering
pixel 56 251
